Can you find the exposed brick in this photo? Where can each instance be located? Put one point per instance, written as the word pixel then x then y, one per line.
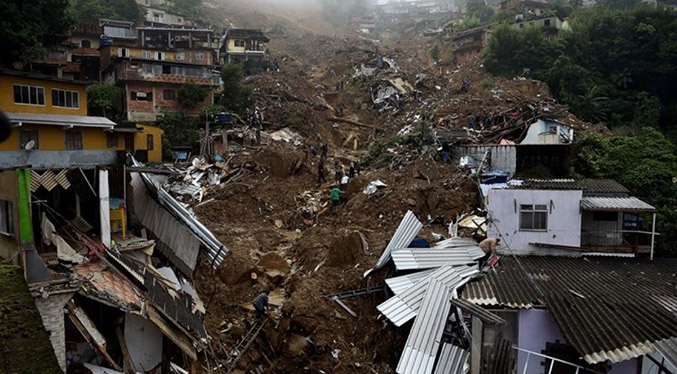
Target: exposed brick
pixel 52 312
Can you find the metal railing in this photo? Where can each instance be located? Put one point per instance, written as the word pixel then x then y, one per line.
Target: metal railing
pixel 553 360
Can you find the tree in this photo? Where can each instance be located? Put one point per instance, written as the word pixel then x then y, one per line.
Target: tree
pixel 469 22
pixel 190 95
pixel 512 50
pixel 27 27
pixel 434 53
pixel 236 96
pixel 179 130
pixel 103 97
pixel 127 10
pixel 479 9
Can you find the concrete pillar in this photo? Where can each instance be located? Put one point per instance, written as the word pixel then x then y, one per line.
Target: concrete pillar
pixel 104 207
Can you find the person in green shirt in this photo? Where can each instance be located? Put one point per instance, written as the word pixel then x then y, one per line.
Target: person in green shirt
pixel 335 198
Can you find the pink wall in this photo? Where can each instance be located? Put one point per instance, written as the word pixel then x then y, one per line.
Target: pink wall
pixel 536 327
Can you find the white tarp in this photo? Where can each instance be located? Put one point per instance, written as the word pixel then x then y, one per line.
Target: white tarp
pixel 64 251
pixel 104 207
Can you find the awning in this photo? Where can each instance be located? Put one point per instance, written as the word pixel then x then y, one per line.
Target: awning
pixel 60 120
pixel 615 204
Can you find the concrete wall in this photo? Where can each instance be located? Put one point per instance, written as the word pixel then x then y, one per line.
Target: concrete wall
pixel 9 191
pixel 536 327
pixel 141 141
pixel 501 156
pixel 52 312
pixel 53 138
pixel 564 219
pixel 57 159
pixel 7 104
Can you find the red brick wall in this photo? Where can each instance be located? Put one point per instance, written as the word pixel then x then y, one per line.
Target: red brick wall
pixel 158 104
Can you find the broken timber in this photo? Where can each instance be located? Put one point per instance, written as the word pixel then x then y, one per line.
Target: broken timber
pixel 351 122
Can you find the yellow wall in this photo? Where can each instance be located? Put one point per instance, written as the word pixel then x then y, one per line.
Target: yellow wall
pixel 7 96
pixel 140 142
pixel 53 138
pixel 170 56
pixel 9 245
pixel 233 48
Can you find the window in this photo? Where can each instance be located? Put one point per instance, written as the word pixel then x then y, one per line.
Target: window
pixel 160 56
pixel 149 142
pixel 111 140
pixel 29 95
pixel 169 95
pixel 146 55
pixel 179 20
pixel 180 56
pixel 85 43
pixel 73 139
pixel 200 56
pixel 26 136
pixel 533 218
pixel 65 99
pixel 521 25
pixel 166 69
pixel 123 52
pixel 142 96
pixel 239 43
pixel 546 22
pixel 6 218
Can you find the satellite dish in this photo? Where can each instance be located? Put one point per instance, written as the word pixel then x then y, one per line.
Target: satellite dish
pixel 29 145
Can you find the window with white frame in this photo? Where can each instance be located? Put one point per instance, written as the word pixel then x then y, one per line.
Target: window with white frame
pixel 199 56
pixel 29 95
pixel 146 54
pixel 65 99
pixel 239 43
pixel 123 52
pixel 160 56
pixel 533 217
pixel 6 218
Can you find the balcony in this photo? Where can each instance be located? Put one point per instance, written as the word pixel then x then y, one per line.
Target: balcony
pixel 622 241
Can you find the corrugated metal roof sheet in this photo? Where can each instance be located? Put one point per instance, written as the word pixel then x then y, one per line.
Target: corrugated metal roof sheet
pixel 668 349
pixel 405 233
pixel 60 120
pixel 403 282
pixel 481 313
pixel 425 336
pixel 606 307
pixel 625 204
pixel 590 187
pixel 452 359
pixel 214 252
pixel 426 258
pixel 401 308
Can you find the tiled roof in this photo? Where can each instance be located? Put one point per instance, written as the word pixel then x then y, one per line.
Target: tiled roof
pixel 107 285
pixel 607 308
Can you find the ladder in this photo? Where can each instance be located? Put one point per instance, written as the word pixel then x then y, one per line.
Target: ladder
pixel 246 342
pixel 354 293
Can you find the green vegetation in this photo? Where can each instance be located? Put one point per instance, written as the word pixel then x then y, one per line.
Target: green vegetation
pixel 190 95
pixel 487 83
pixel 103 97
pixel 469 22
pixel 180 130
pixel 434 53
pixel 125 10
pixel 24 343
pixel 617 66
pixel 236 96
pixel 26 27
pixel 187 8
pixel 479 9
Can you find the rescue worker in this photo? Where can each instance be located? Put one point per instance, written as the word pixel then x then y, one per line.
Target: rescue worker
pixel 488 246
pixel 320 173
pixel 335 198
pixel 260 304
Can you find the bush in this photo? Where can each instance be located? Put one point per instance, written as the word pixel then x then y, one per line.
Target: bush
pixel 487 83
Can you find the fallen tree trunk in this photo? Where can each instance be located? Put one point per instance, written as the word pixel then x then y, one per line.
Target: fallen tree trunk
pixel 351 122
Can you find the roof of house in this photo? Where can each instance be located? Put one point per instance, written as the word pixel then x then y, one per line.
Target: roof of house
pixel 616 203
pixel 248 34
pixel 590 187
pixel 25 74
pixel 60 120
pixel 607 308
